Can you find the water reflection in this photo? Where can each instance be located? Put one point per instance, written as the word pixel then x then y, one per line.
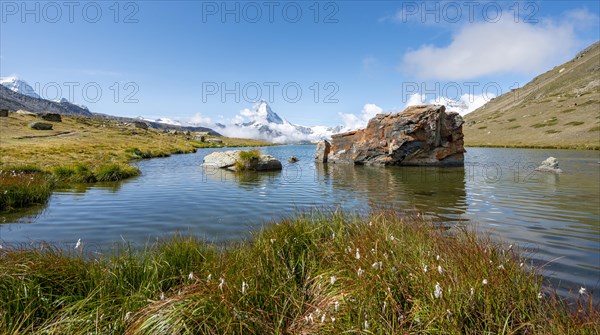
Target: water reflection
pixel 438 193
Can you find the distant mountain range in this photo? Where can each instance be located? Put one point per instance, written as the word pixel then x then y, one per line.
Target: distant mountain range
pixel 16 94
pixel 263 123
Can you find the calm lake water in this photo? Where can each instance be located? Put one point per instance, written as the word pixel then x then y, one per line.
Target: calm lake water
pixel 555 218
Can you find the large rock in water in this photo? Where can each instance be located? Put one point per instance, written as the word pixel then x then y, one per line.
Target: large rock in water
pixel 323 149
pixel 227 160
pixel 419 135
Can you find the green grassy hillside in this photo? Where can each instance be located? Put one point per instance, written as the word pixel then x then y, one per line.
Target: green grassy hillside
pixel 560 108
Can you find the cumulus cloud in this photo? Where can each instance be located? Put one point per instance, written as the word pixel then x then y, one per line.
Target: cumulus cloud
pixel 353 121
pixel 488 48
pixel 465 105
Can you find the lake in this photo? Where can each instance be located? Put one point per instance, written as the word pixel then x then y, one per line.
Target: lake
pixel 555 219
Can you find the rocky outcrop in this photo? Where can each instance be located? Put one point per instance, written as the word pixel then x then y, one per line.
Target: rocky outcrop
pixel 323 149
pixel 419 135
pixel 228 159
pixel 549 165
pixel 40 126
pixel 140 125
pixel 52 117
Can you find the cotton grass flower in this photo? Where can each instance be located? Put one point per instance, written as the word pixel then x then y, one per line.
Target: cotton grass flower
pixel 582 291
pixel 332 280
pixel 438 291
pixel 357 256
pixel 244 287
pixel 222 282
pixel 440 270
pixel 540 295
pixel 424 268
pixel 191 276
pixel 360 272
pixel 377 265
pixel 484 282
pixel 78 244
pixel 336 306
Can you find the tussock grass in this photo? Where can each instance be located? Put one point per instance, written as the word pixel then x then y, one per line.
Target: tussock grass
pixel 311 274
pixel 23 186
pixel 247 160
pixel 115 172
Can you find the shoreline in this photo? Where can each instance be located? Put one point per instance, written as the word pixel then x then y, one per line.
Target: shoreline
pixel 318 272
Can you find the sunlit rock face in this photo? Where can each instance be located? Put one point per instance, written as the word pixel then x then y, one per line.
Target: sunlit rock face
pixel 419 135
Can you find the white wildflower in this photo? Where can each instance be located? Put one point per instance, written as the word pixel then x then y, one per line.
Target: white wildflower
pixel 440 270
pixel 336 306
pixel 332 319
pixel 438 291
pixel 392 238
pixel 221 283
pixel 191 276
pixel 501 267
pixel 332 280
pixel 370 223
pixel 357 254
pixel 424 268
pixel 127 315
pixel 323 318
pixel 272 240
pixel 310 318
pixel 244 287
pixel 360 272
pixel 437 258
pixel 540 295
pixel 377 265
pixel 582 291
pixel 472 292
pixel 484 282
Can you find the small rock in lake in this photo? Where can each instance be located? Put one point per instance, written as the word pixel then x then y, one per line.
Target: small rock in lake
pixel 292 159
pixel 549 165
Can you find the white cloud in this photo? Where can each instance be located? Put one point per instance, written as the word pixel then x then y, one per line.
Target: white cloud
pixel 353 121
pixel 465 105
pixel 487 48
pixel 201 120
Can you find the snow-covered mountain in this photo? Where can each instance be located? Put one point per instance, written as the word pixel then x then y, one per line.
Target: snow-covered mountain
pixel 263 123
pixel 259 122
pixel 20 86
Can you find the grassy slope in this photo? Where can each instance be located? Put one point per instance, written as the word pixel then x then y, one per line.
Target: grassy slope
pixel 78 150
pixel 312 274
pixel 89 141
pixel 560 108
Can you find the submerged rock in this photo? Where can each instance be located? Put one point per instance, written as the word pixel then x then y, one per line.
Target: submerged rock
pixel 292 159
pixel 227 160
pixel 549 165
pixel 419 135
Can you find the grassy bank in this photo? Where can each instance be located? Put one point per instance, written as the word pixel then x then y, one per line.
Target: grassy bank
pixel 80 150
pixel 317 273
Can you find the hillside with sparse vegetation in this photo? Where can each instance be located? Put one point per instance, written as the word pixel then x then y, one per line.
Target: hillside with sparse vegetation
pixel 558 109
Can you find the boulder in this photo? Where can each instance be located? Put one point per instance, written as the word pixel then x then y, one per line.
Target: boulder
pixel 227 160
pixel 140 124
pixel 52 117
pixel 292 159
pixel 24 112
pixel 40 126
pixel 323 149
pixel 419 135
pixel 549 165
pixel 3 112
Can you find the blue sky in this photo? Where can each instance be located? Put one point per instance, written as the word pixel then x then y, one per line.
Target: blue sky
pixel 173 59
